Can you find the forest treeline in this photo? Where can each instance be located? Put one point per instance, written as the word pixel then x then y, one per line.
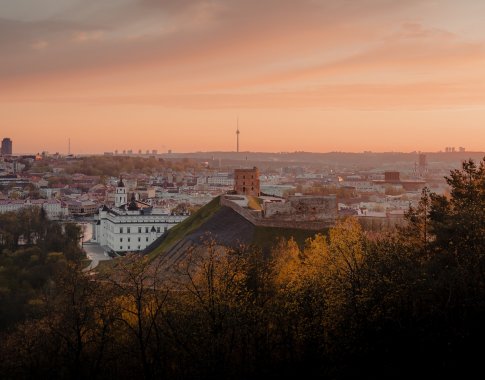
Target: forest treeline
pixel 32 250
pixel 351 304
pixel 116 165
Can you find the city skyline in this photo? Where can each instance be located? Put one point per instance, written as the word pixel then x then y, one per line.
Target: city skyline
pixel 316 76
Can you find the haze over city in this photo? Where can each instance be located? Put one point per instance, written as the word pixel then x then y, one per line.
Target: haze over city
pixel 308 75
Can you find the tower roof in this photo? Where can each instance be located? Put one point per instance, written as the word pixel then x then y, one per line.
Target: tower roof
pixel 132 206
pixel 120 182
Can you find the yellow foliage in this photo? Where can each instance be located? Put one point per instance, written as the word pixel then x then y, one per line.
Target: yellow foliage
pixel 130 313
pixel 316 252
pixel 346 247
pixel 254 203
pixel 287 262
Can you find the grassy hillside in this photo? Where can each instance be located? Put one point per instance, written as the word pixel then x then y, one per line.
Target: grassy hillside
pixel 186 227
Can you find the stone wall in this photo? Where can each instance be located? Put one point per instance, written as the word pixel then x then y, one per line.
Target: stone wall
pixel 256 218
pixel 303 208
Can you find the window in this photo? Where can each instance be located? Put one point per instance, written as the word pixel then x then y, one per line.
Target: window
pixel 139 239
pixel 121 240
pixel 138 247
pixel 165 229
pixel 121 247
pixel 128 229
pixel 147 238
pixel 139 230
pixel 128 247
pixel 121 230
pixel 158 229
pixel 146 230
pixel 128 239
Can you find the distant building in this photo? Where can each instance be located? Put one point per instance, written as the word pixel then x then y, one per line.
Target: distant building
pixel 392 177
pixel 422 160
pixel 277 190
pixel 246 181
pixel 422 165
pixel 220 179
pixel 54 209
pixel 82 208
pixel 358 183
pixel 6 147
pixel 303 208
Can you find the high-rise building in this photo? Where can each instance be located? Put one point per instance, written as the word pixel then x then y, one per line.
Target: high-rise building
pixel 423 165
pixel 6 147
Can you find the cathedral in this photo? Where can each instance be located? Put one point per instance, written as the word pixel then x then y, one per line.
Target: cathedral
pixel 130 226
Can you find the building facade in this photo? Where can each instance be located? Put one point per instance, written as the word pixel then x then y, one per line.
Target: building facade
pixel 303 208
pixel 131 226
pixel 82 207
pixel 6 147
pixel 246 181
pixel 54 209
pixel 220 179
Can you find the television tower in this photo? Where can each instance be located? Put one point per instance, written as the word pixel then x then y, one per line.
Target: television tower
pixel 237 135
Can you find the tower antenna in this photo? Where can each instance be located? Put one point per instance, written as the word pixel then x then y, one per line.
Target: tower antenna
pixel 237 134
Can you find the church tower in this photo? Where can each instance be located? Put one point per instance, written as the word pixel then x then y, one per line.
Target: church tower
pixel 121 197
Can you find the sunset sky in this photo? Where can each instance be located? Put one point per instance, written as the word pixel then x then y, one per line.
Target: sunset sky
pixel 301 75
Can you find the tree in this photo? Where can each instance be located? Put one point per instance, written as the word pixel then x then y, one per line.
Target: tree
pixel 458 222
pixel 139 297
pixel 417 230
pixel 213 282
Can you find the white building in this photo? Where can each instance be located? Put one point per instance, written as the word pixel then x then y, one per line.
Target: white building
pixel 220 179
pixel 360 184
pixel 131 226
pixel 277 190
pixel 54 209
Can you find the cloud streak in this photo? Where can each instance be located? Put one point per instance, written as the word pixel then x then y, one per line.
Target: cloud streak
pixel 219 55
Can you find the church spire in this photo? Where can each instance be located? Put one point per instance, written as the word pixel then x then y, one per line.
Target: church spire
pixel 121 197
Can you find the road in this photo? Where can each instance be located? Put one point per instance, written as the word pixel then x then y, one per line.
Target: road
pixel 87 231
pixel 94 253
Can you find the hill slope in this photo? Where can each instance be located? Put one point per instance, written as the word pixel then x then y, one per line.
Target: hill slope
pixel 225 226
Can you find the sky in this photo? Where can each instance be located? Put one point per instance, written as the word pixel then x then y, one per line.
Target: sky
pixel 306 75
